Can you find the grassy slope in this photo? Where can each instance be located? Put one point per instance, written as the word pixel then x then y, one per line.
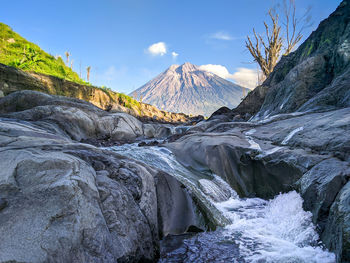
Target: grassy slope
pixel 18 52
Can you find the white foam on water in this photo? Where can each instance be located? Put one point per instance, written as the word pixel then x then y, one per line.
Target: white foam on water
pixel 291 134
pixel 278 230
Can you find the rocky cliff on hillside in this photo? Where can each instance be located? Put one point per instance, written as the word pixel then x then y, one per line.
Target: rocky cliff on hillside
pixel 313 78
pixel 188 89
pixel 65 201
pixel 12 79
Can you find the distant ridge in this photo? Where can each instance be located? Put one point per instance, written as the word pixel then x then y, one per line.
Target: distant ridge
pixel 185 88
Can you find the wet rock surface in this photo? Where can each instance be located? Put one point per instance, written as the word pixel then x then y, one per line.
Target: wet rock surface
pixel 337 229
pixel 78 120
pixel 201 248
pixel 307 152
pixel 73 202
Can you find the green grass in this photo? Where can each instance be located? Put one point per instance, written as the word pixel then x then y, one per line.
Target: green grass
pixel 122 99
pixel 128 101
pixel 18 52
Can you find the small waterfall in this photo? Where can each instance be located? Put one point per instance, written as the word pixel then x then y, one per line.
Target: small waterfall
pixel 253 229
pixel 163 159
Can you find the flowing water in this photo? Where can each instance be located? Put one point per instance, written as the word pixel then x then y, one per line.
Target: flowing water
pixel 253 230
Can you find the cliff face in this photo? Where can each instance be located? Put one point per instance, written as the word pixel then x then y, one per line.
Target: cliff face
pixel 12 79
pixel 316 77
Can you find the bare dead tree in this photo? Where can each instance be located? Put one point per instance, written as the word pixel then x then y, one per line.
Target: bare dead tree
pixel 293 25
pixel 272 44
pixel 88 72
pixel 267 49
pixel 71 64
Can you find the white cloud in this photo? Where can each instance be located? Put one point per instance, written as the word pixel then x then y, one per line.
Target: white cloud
pixel 243 76
pixel 157 49
pixel 246 77
pixel 221 35
pixel 219 70
pixel 174 54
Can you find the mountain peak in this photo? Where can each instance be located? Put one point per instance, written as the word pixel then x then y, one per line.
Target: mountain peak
pixel 188 89
pixel 188 67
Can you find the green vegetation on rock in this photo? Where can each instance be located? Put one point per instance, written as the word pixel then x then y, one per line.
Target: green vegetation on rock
pixel 129 102
pixel 122 99
pixel 18 52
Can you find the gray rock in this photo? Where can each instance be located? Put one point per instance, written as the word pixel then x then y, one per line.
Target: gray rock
pixel 320 186
pixel 285 151
pixel 337 231
pixel 175 202
pixel 78 120
pixel 74 202
pixel 309 152
pixel 3 203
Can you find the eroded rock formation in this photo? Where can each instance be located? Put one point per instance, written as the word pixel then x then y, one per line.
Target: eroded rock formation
pixel 65 201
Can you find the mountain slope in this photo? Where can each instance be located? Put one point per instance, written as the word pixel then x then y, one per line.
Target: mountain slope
pixel 16 51
pixel 190 90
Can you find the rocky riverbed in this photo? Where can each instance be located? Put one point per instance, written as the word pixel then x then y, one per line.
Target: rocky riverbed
pixel 265 182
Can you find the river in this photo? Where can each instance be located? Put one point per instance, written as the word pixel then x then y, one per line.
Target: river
pixel 253 229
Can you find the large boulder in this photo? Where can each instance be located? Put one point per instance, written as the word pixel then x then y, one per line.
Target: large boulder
pixel 320 186
pixel 65 211
pixel 263 158
pixel 337 231
pixel 63 201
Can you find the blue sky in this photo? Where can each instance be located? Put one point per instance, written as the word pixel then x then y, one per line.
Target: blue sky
pixel 113 36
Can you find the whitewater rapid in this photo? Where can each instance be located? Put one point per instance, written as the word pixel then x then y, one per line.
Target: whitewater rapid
pixel 276 230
